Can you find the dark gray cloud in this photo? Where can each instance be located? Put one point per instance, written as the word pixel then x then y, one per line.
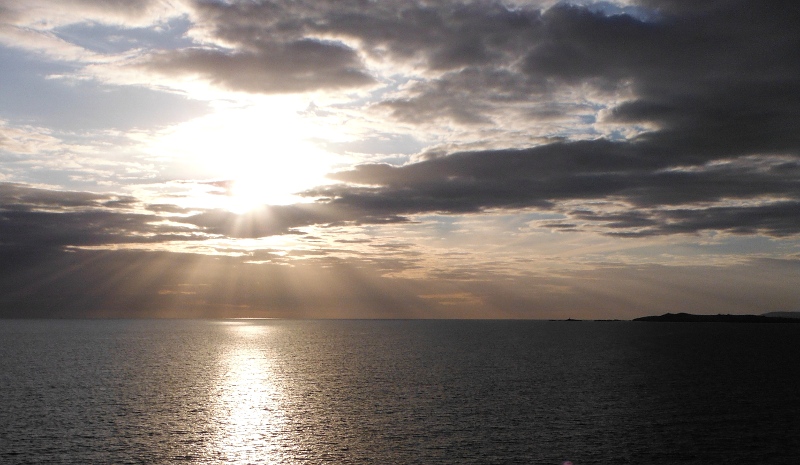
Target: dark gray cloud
pixel 475 45
pixel 33 218
pixel 279 46
pixel 719 82
pixel 776 219
pixel 721 66
pixel 646 201
pixel 266 221
pixel 721 75
pixel 549 176
pixel 442 36
pixel 84 228
pixel 51 219
pixel 272 220
pixel 267 49
pixel 296 66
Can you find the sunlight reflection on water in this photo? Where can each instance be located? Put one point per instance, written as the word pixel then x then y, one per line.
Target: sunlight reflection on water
pixel 248 411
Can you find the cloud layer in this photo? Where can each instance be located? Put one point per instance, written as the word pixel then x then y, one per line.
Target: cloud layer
pixel 652 123
pixel 710 102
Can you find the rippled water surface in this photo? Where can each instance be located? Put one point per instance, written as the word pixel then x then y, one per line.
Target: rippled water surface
pixel 398 392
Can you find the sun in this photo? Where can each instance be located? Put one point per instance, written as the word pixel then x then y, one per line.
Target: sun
pixel 265 152
pixel 248 194
pixel 273 182
pixel 273 177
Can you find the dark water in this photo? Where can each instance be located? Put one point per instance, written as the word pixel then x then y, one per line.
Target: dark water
pixel 396 392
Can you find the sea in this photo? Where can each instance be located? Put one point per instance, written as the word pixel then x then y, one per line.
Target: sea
pixel 260 391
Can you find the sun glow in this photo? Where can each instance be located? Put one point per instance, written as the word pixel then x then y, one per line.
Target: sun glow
pixel 263 152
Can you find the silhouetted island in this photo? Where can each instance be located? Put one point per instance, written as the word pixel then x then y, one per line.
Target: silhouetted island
pixel 690 318
pixel 783 314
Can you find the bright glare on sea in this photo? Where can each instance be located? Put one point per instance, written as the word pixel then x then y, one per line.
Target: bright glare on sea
pixel 398 392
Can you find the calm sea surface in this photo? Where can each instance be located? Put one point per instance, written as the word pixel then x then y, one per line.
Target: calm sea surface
pixel 398 392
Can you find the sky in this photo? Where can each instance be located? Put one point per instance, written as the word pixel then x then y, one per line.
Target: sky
pixel 399 159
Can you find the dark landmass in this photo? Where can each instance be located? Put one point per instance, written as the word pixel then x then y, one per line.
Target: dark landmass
pixel 783 314
pixel 690 318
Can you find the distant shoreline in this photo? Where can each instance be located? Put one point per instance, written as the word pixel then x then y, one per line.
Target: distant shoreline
pixel 720 318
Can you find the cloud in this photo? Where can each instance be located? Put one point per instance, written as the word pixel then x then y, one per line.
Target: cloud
pixel 778 219
pixel 272 220
pixel 445 36
pixel 301 46
pixel 83 228
pixel 775 219
pixel 25 140
pixel 715 98
pixel 19 197
pixel 551 177
pixel 263 48
pixel 32 25
pixel 266 221
pixel 133 12
pixel 34 218
pixel 298 66
pixel 708 77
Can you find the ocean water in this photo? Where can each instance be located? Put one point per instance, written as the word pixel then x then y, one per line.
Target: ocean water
pixel 398 392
